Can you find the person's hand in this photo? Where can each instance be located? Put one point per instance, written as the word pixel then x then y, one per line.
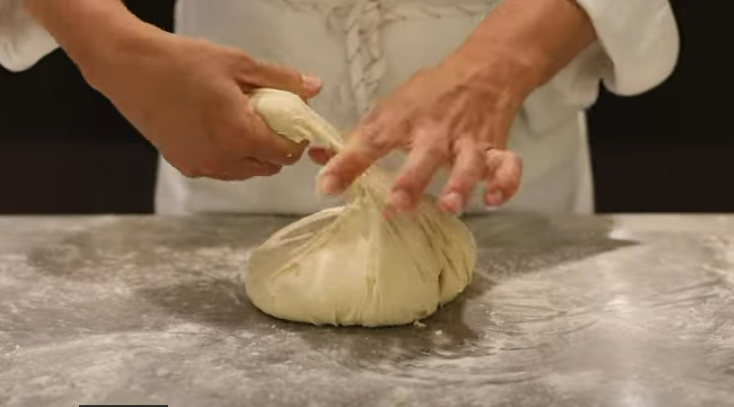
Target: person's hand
pixel 504 168
pixel 189 98
pixel 459 114
pixel 452 116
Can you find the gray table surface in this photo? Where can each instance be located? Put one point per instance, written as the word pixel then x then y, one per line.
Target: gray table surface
pixel 564 311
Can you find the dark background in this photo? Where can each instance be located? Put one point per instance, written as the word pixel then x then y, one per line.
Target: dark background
pixel 65 149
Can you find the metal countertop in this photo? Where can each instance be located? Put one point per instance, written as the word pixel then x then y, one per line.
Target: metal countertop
pixel 585 311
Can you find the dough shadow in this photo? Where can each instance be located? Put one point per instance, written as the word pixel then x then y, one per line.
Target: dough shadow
pixel 97 253
pixel 220 302
pixel 510 246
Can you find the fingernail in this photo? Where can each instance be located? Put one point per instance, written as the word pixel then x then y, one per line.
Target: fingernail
pixel 399 200
pixel 329 184
pixel 494 199
pixel 311 84
pixel 453 202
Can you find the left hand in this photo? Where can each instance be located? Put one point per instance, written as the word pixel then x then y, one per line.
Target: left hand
pixel 455 115
pixel 459 114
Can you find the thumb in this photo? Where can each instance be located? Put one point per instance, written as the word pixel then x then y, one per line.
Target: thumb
pixel 268 75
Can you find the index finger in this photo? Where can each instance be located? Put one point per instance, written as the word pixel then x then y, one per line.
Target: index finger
pixel 367 145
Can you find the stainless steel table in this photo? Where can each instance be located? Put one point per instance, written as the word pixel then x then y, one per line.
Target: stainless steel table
pixel 564 311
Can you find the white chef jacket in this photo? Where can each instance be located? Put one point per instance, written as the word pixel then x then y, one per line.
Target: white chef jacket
pixel 363 49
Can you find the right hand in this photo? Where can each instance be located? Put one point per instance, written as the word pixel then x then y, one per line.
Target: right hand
pixel 189 99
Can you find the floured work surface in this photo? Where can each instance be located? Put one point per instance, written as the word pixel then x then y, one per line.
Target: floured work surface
pixel 587 311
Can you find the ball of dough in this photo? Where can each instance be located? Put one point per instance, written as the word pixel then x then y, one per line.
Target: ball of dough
pixel 348 266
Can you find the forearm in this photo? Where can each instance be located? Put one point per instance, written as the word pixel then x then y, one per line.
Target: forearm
pixel 89 30
pixel 541 36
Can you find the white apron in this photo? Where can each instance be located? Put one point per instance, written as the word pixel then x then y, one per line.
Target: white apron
pixel 401 36
pixel 365 48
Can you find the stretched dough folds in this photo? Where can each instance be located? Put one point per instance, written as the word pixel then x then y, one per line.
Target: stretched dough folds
pixel 348 265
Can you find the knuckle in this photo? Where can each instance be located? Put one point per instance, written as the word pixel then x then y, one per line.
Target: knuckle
pixel 463 184
pixel 437 151
pixel 377 144
pixel 275 75
pixel 493 160
pixel 411 187
pixel 406 182
pixel 413 180
pixel 373 145
pixel 462 144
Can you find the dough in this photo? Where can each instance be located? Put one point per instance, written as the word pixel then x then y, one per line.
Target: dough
pixel 348 265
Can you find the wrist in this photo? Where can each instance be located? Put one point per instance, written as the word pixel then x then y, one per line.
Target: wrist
pixel 91 32
pixel 527 40
pixel 518 73
pixel 124 46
